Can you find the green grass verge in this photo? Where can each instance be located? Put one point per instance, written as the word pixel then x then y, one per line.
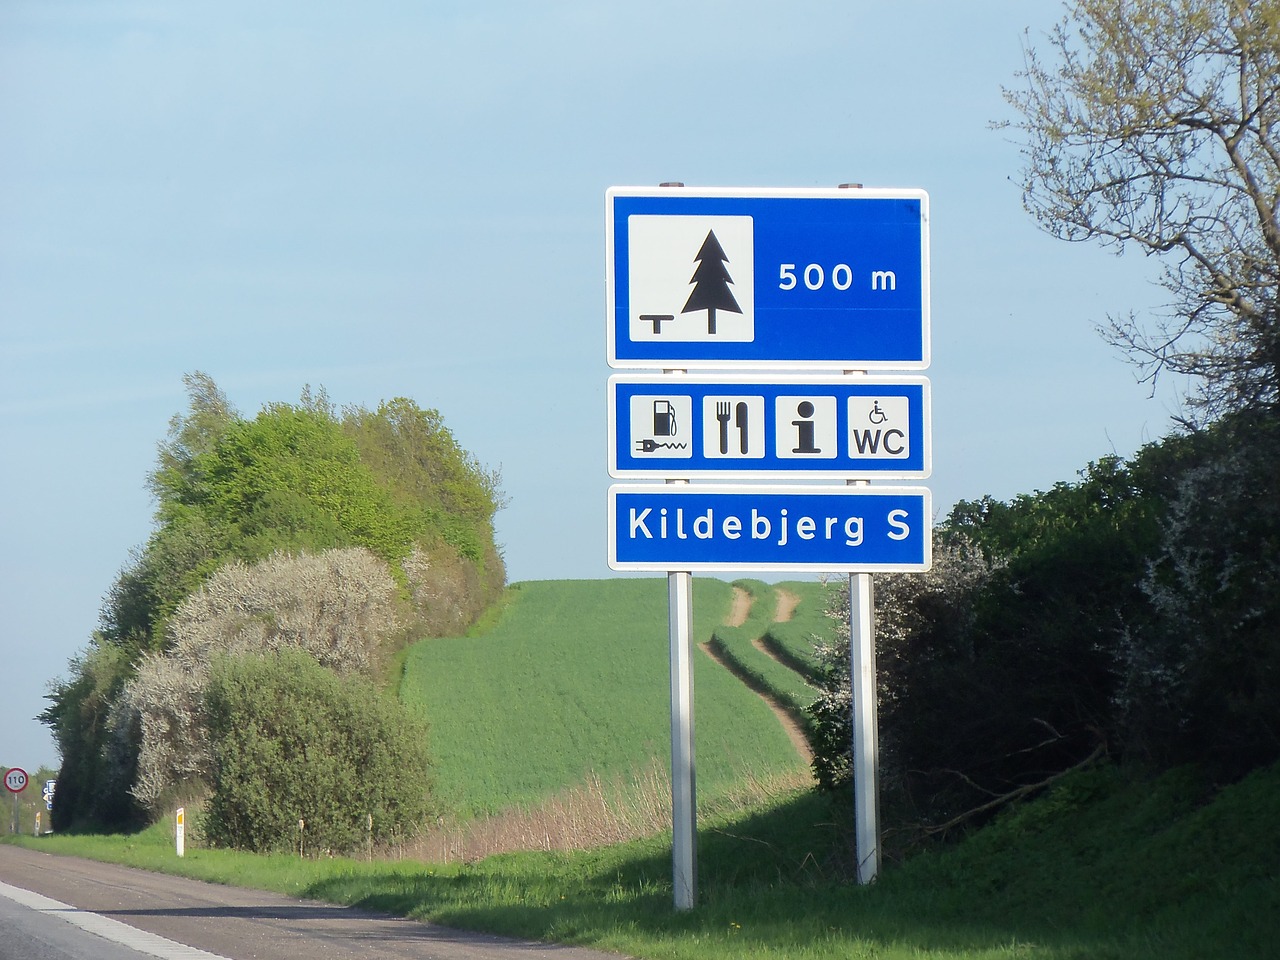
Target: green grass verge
pixel 1102 868
pixel 572 680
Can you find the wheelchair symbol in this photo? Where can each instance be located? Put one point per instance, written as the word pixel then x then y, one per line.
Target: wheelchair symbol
pixel 877 415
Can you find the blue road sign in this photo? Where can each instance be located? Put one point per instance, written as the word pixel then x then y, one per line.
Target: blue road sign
pixel 716 277
pixel 742 529
pixel 769 427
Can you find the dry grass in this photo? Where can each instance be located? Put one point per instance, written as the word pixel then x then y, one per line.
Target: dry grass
pixel 594 814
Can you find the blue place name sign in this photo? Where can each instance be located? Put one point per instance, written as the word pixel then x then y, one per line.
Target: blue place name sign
pixel 743 529
pixel 769 427
pixel 772 278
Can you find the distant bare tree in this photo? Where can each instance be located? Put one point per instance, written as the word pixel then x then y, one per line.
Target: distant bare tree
pixel 1155 125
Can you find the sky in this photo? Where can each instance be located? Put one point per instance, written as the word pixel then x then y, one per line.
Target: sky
pixel 407 199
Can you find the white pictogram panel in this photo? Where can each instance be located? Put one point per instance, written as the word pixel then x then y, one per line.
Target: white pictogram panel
pixel 662 426
pixel 691 278
pixel 733 427
pixel 805 428
pixel 880 427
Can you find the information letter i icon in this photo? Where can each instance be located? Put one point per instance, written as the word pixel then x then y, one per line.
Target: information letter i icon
pixel 804 429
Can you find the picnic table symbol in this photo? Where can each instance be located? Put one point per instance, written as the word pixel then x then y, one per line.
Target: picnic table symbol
pixel 711 292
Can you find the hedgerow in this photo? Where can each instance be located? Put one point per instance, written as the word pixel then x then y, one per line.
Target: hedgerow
pixel 236 499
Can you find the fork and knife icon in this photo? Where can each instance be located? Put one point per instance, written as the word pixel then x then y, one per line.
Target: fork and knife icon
pixel 724 410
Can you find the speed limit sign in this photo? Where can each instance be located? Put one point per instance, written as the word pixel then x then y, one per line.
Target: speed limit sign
pixel 15 781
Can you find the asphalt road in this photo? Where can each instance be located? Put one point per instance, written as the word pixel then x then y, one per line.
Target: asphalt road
pixel 30 930
pixel 52 908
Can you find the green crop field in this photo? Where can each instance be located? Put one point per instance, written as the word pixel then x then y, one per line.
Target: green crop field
pixel 782 667
pixel 572 681
pixel 792 640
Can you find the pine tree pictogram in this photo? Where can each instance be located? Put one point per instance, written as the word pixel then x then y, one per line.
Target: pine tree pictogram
pixel 711 279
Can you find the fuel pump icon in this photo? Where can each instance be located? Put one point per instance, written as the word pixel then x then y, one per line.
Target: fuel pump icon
pixel 664 419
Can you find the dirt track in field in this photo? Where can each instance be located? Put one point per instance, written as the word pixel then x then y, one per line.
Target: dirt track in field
pixel 739 610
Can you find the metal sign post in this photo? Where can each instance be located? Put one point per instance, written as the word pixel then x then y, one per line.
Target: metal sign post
pixel 15 781
pixel 683 783
pixel 866 746
pixel 864 717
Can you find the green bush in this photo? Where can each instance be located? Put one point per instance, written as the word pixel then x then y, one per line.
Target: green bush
pixel 96 772
pixel 294 741
pixel 1201 675
pixel 1132 613
pixel 295 479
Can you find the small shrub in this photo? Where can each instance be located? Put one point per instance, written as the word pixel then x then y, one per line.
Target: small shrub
pixel 294 741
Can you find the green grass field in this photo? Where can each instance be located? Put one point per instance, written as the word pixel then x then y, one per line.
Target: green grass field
pixel 783 671
pixel 792 640
pixel 573 680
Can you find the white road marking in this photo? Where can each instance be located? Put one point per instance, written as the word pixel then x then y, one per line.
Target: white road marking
pixel 107 928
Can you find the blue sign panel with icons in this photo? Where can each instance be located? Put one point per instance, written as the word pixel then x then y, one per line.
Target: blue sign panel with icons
pixel 769 427
pixel 703 277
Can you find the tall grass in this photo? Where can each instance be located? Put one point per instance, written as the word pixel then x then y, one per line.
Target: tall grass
pixel 591 815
